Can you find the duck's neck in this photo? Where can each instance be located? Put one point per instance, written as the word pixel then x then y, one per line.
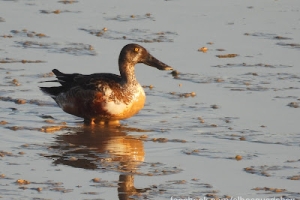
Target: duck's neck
pixel 127 73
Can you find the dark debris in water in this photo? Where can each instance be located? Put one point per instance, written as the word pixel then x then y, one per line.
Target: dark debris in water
pixel 125 185
pixel 294 178
pixel 46 129
pixel 51 129
pixel 29 184
pixel 57 11
pixel 42 186
pixel 105 183
pixel 227 55
pixel 6 153
pixel 294 104
pixel 136 35
pixel 282 193
pixel 2 19
pixel 68 1
pixel 268 189
pixel 131 129
pixel 26 33
pixel 255 136
pixel 24 61
pixel 268 171
pixel 186 95
pixel 164 140
pixel 46 117
pixel 257 89
pixel 251 81
pixel 276 37
pixel 292 45
pixel 23 101
pixel 268 36
pixel 214 106
pixel 124 18
pixel 217 154
pixel 175 73
pixel 77 49
pixel 188 188
pixel 16 83
pixel 9 69
pixel 229 65
pixel 292 161
pixel 157 169
pixel 6 36
pixel 196 78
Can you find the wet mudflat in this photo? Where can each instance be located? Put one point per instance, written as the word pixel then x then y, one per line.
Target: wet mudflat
pixel 224 124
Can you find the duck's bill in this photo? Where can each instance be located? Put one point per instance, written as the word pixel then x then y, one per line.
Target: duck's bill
pixel 152 61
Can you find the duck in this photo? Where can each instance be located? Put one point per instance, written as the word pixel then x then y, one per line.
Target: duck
pixel 104 98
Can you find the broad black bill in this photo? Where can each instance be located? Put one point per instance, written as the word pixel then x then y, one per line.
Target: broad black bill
pixel 152 61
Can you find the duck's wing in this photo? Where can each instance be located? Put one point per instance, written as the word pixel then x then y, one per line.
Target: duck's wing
pixel 69 82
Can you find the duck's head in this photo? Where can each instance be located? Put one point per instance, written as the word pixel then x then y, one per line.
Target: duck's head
pixel 134 53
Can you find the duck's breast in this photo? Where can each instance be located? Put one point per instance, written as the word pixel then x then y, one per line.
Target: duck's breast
pixel 126 103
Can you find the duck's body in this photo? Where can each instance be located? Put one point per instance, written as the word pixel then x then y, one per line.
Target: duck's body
pixel 104 97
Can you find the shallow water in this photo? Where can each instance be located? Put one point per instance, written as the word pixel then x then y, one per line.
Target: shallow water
pixel 237 137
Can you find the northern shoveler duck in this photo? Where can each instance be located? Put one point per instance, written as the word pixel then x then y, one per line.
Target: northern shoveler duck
pixel 103 97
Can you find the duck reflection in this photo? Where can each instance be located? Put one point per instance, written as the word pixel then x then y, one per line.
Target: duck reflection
pixel 106 148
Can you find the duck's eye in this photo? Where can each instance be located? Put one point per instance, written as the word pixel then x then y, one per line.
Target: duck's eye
pixel 136 49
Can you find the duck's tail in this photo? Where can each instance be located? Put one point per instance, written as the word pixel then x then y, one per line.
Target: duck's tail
pixel 52 91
